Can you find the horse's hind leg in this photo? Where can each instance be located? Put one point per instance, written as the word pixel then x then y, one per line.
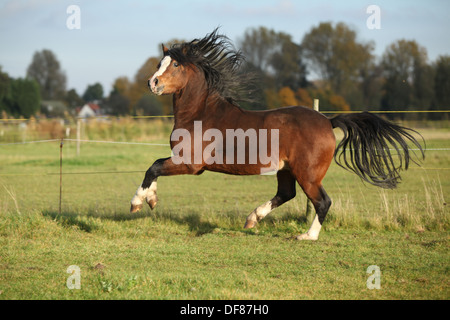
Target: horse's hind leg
pixel 321 201
pixel 286 191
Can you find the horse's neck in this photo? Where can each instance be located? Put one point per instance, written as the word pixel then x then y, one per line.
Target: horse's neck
pixel 194 102
pixel 190 101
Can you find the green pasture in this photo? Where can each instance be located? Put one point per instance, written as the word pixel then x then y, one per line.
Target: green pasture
pixel 193 246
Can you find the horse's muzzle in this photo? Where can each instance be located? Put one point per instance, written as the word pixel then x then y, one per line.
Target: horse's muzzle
pixel 153 86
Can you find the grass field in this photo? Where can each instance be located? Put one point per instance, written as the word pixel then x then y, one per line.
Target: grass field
pixel 192 246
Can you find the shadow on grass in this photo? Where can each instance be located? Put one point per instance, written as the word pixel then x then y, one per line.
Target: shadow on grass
pixel 196 222
pixel 85 222
pixel 285 217
pixel 71 219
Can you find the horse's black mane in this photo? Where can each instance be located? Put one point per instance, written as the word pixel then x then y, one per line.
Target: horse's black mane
pixel 221 63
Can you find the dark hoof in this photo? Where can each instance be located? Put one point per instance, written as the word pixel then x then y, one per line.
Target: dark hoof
pixel 152 202
pixel 135 208
pixel 249 224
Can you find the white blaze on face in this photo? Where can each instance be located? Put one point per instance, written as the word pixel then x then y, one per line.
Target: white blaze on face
pixel 164 64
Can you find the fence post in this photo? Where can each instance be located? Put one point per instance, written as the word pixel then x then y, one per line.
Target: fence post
pixel 309 208
pixel 60 173
pixel 78 136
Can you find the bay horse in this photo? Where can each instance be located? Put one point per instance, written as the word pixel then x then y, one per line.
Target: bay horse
pixel 205 80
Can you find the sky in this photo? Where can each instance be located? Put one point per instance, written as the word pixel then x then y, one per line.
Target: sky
pixel 115 38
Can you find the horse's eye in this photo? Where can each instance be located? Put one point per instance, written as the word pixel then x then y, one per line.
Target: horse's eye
pixel 175 64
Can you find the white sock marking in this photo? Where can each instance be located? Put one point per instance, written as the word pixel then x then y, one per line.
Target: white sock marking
pixel 315 228
pixel 313 232
pixel 263 210
pixel 142 194
pixel 260 212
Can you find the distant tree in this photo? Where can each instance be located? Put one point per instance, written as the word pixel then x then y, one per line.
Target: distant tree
pixel 5 91
pixel 46 70
pixel 146 71
pixel 442 82
pixel 258 46
pixel 287 97
pixel 329 100
pixel 118 104
pixel 423 87
pixel 335 54
pixel 93 92
pixel 370 87
pixel 396 93
pixel 408 78
pixel 72 99
pixel 122 85
pixel 25 97
pixel 303 98
pixel 139 87
pixel 289 70
pixel 272 98
pixel 338 102
pixel 149 105
pixel 274 57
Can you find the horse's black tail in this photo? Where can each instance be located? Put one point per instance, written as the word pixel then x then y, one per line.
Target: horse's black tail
pixel 369 141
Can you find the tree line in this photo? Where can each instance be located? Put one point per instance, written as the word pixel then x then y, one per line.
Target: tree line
pixel 330 63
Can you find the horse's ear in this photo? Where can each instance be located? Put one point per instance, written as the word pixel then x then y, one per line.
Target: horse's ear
pixel 164 49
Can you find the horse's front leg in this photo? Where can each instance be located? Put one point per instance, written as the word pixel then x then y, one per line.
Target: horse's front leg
pixel 161 167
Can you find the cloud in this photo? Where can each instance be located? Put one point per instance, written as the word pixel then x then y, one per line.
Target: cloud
pixel 15 7
pixel 251 9
pixel 282 7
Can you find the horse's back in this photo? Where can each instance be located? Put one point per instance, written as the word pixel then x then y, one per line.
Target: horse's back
pixel 299 121
pixel 305 136
pixel 298 114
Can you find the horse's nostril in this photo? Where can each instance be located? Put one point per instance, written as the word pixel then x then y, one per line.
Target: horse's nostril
pixel 149 83
pixel 156 81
